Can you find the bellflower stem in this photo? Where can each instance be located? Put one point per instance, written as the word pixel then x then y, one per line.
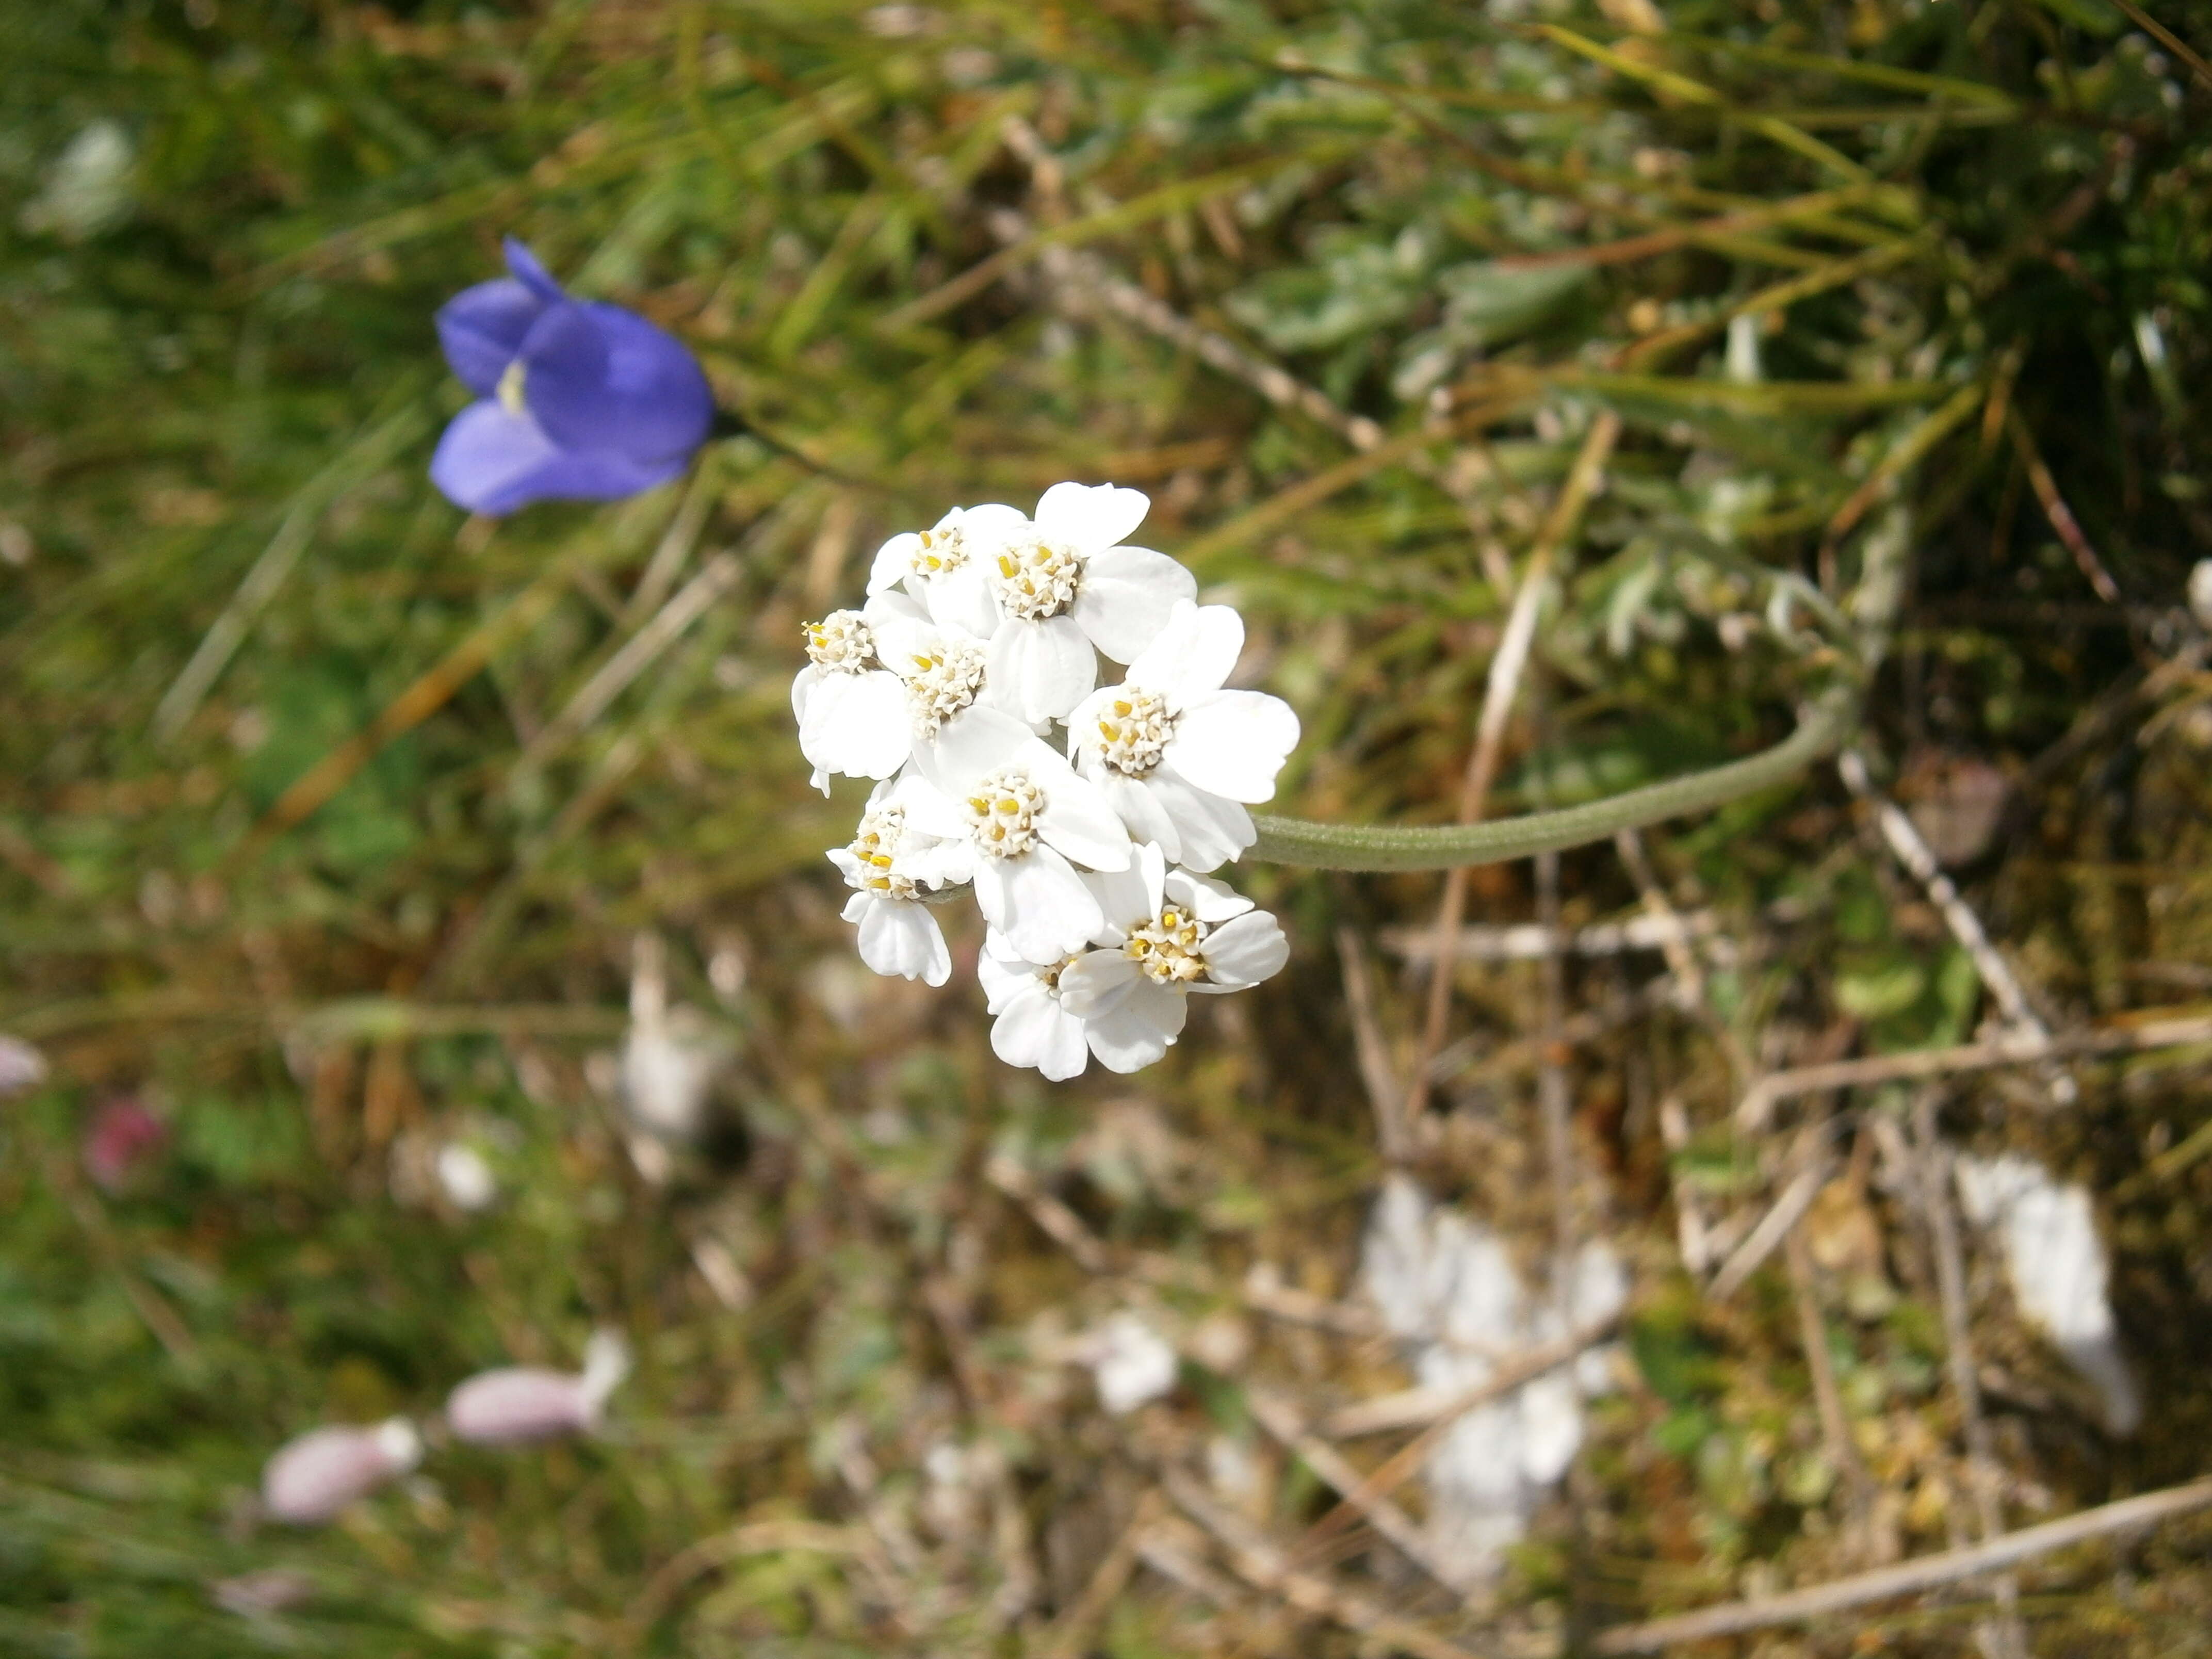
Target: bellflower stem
pixel 1822 728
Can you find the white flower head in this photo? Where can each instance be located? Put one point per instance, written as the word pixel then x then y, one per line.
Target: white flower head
pixel 1178 755
pixel 946 568
pixel 851 709
pixel 895 870
pixel 1025 815
pixel 1167 933
pixel 1064 584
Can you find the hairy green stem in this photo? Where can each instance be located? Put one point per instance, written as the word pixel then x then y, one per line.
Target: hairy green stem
pixel 1444 847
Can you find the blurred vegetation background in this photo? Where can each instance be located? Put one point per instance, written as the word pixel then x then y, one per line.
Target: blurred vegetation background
pixel 336 830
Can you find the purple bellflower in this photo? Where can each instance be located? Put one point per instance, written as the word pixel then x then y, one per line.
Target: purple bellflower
pixel 577 400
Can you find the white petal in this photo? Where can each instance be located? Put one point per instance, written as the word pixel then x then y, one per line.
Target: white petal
pixel 1090 518
pixel 989 525
pixel 929 810
pixel 961 598
pixel 1122 899
pixel 903 633
pixel 1077 818
pixel 1233 743
pixel 1207 829
pixel 892 606
pixel 819 779
pixel 1039 670
pixel 1002 981
pixel 1139 1031
pixel 1097 983
pixel 860 903
pixel 802 687
pixel 1194 653
pixel 894 563
pixel 1146 810
pixel 1154 864
pixel 1035 1031
pixel 1039 901
pixel 856 723
pixel 1209 900
pixel 1127 597
pixel 973 743
pixel 901 937
pixel 1244 951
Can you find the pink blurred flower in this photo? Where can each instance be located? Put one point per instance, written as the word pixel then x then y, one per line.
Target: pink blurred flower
pixel 121 1137
pixel 312 1478
pixel 519 1403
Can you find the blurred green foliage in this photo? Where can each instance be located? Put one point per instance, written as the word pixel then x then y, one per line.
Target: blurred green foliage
pixel 224 226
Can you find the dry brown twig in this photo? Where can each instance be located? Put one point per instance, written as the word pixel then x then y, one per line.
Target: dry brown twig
pixel 1911 850
pixel 1433 1407
pixel 1284 1423
pixel 1692 1232
pixel 1379 1077
pixel 1263 1564
pixel 1502 686
pixel 1906 1578
pixel 2062 521
pixel 1859 1491
pixel 1071 1632
pixel 1775 1226
pixel 1261 1290
pixel 1932 1165
pixel 1530 941
pixel 1759 1100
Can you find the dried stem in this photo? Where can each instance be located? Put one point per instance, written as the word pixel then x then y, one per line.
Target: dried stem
pixel 1906 1578
pixel 1263 1564
pixel 1283 1422
pixel 2005 1640
pixel 1759 1100
pixel 2062 517
pixel 1506 666
pixel 1827 1398
pixel 1913 852
pixel 1376 1072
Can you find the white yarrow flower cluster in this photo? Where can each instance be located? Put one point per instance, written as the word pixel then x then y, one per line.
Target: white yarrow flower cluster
pixel 1085 816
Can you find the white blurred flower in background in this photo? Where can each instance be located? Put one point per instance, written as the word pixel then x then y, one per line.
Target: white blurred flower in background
pixel 1447 1287
pixel 2056 1266
pixel 1131 1363
pixel 22 1067
pixel 464 1177
pixel 515 1404
pixel 88 188
pixel 317 1476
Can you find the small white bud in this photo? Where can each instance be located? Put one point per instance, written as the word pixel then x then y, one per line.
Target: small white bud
pixel 1131 1363
pixel 465 1177
pixel 2200 593
pixel 22 1066
pixel 515 1404
pixel 312 1479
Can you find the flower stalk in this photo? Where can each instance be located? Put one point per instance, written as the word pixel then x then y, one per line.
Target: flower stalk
pixel 1820 730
